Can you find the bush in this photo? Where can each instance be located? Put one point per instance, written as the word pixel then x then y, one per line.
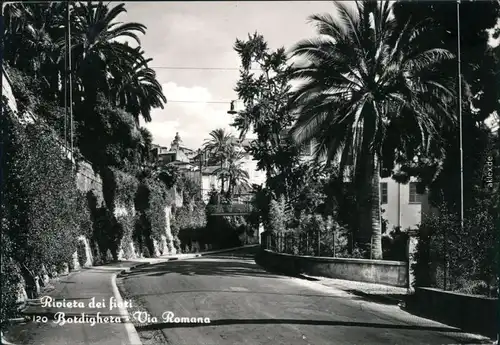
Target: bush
pixel 11 278
pixel 469 253
pixel 277 216
pixel 107 233
pixel 150 201
pixel 395 245
pixel 42 210
pixel 126 222
pixel 333 239
pixel 40 195
pixel 189 225
pixel 82 254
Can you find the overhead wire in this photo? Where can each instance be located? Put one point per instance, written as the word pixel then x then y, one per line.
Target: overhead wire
pixel 189 68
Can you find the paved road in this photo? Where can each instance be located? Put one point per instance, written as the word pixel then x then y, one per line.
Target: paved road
pixel 247 305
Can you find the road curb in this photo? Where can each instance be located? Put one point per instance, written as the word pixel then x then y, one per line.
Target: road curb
pixel 132 334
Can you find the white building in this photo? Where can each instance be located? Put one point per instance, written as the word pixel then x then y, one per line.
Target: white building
pixel 401 204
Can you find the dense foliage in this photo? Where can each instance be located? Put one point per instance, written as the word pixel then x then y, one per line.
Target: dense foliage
pixel 265 96
pixel 189 226
pixel 456 258
pixel 150 201
pixel 42 210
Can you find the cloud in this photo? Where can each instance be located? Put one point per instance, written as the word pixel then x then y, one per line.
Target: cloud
pixel 192 116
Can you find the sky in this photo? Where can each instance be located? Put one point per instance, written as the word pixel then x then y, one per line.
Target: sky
pixel 191 34
pixel 202 35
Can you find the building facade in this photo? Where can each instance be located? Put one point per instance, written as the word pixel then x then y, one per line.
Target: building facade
pixel 400 204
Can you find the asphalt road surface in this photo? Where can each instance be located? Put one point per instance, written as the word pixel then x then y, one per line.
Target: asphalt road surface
pixel 247 305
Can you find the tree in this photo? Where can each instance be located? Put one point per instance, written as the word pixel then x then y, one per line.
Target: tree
pixel 121 143
pixel 35 45
pixel 480 73
pixel 219 147
pixel 235 173
pixel 368 90
pixel 94 46
pixel 478 61
pixel 32 43
pixel 265 95
pixel 137 90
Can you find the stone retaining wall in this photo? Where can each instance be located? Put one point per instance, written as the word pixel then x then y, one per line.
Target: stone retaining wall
pixel 393 273
pixel 475 314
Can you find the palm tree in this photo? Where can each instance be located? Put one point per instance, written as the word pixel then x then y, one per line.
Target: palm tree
pixel 237 176
pixel 32 33
pixel 137 90
pixel 368 91
pixel 219 147
pixel 96 52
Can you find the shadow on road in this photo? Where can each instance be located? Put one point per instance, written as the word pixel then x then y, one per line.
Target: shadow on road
pixel 237 292
pixel 200 267
pixel 387 298
pixel 225 322
pixel 245 253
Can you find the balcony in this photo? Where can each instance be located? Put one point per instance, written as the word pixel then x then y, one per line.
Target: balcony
pixel 230 209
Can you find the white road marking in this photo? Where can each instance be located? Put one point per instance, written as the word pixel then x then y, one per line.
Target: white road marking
pixel 129 327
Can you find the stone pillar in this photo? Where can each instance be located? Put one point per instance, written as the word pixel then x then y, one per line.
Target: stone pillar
pixel 168 232
pixel 163 245
pixel 45 275
pixel 132 249
pixel 411 250
pixel 22 295
pixel 261 230
pixel 121 253
pixel 64 270
pixel 37 285
pixel 88 251
pixel 75 263
pixel 156 248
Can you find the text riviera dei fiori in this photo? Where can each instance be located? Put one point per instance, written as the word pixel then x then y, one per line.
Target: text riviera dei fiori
pixel 61 318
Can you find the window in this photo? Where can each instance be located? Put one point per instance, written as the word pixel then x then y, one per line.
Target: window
pixel 383 193
pixel 414 196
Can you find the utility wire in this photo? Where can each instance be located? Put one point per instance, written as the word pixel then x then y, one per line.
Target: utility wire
pixel 187 68
pixel 201 102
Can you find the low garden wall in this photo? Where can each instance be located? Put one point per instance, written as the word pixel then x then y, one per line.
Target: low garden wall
pixel 393 273
pixel 475 314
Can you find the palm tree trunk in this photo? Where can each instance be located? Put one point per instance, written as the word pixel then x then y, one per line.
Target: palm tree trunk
pixel 221 179
pixel 376 225
pixel 369 229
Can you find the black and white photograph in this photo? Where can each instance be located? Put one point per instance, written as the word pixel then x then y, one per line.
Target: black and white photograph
pixel 250 172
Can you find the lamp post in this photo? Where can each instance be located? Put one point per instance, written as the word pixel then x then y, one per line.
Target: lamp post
pixel 231 110
pixel 460 118
pixel 69 72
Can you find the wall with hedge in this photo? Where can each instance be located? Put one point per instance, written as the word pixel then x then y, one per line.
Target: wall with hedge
pixel 58 216
pixel 43 211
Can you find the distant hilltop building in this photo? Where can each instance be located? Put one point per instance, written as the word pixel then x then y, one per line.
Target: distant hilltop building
pixel 176 155
pixel 192 161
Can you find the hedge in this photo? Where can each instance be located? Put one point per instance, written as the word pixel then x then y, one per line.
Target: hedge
pixel 41 206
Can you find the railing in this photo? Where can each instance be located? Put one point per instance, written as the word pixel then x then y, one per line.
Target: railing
pixel 230 209
pixel 314 243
